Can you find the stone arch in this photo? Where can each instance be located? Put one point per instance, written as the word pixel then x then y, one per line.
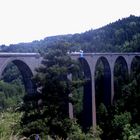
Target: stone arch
pixel 87 97
pixel 134 59
pixel 121 73
pixel 25 70
pixel 106 80
pixel 123 62
pixel 135 67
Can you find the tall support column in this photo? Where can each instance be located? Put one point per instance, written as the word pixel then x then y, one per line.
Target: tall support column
pixel 93 101
pixel 92 64
pixel 112 85
pixel 112 61
pixel 71 116
pixel 70 109
pixel 129 62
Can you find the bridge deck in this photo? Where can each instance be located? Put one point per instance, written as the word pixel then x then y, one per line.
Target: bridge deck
pixel 3 54
pixel 106 53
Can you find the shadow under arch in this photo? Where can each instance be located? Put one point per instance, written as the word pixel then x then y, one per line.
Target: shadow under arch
pixel 25 72
pixel 135 69
pixel 102 82
pixel 135 66
pixel 87 95
pixel 120 76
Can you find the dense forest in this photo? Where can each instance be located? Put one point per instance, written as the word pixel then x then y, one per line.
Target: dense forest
pixel 45 113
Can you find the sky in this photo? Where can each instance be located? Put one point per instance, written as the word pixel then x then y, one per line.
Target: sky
pixel 28 20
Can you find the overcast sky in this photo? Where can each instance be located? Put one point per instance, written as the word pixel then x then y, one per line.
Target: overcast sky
pixel 28 20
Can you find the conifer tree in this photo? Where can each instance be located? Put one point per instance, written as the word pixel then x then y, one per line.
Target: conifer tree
pixel 47 111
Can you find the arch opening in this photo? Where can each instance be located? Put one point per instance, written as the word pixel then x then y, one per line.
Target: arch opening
pixel 133 92
pixel 135 72
pixel 121 77
pixel 23 73
pixel 102 92
pixel 102 82
pixel 11 88
pixel 135 67
pixel 84 115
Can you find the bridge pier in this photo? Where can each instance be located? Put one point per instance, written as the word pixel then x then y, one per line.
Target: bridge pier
pixel 112 85
pixel 93 103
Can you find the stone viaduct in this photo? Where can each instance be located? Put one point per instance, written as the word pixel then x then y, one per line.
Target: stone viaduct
pixel 27 62
pixel 89 62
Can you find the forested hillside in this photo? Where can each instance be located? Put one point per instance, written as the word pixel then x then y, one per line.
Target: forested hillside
pixel 120 36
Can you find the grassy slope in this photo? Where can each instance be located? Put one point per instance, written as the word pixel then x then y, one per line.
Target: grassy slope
pixel 9 125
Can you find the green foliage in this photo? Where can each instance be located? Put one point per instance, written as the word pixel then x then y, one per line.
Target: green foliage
pixel 11 74
pixel 131 133
pixel 11 87
pixel 121 120
pixel 51 116
pixel 9 125
pixel 102 115
pixel 10 95
pixel 77 134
